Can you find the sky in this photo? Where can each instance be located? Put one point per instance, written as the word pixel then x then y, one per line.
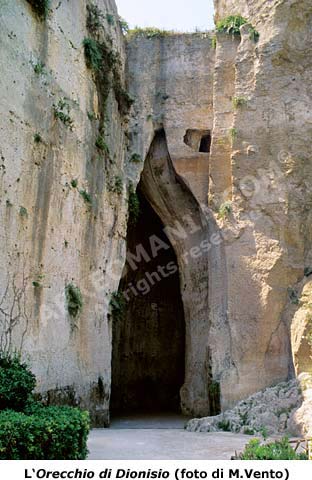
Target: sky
pixel 180 15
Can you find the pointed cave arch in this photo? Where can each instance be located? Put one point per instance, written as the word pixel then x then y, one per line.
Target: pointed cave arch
pixel 170 210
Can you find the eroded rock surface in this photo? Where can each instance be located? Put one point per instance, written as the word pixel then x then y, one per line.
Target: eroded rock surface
pixel 269 412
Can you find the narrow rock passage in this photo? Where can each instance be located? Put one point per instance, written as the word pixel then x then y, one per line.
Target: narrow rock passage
pixel 160 437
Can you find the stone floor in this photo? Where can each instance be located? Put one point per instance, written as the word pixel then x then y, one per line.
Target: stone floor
pixel 159 438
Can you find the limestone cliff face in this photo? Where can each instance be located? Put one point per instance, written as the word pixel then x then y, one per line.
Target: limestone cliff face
pixel 265 172
pixel 171 79
pixel 255 101
pixel 224 141
pixel 62 222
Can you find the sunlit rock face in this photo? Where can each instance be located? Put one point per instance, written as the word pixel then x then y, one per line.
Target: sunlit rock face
pixel 220 139
pixel 61 223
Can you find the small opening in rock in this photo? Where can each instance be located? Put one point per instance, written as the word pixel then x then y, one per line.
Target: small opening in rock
pixel 205 143
pixel 198 140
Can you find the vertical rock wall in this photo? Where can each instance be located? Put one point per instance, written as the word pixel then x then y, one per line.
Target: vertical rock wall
pixel 61 220
pixel 266 233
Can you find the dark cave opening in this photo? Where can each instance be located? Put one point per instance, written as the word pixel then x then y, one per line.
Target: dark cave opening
pixel 148 359
pixel 205 143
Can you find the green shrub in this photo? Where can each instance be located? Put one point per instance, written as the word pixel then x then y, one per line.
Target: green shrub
pixel 94 18
pixel 74 183
pixel 73 299
pixel 86 196
pixel 239 101
pixel 134 205
pixel 93 54
pixel 37 138
pixel 23 212
pixel 101 144
pixel 231 25
pixel 62 111
pixel 41 7
pixel 39 68
pixel 136 158
pixel 116 186
pixel 47 433
pixel 225 209
pixel 279 450
pixel 16 383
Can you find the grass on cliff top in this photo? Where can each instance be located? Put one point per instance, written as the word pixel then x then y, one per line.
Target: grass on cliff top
pixel 149 32
pixel 153 32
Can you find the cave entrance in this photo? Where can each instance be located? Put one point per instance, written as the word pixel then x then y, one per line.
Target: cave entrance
pixel 148 360
pixel 205 143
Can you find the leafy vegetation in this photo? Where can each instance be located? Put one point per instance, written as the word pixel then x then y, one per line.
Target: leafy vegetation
pixel 233 133
pixel 101 144
pixel 116 186
pixel 136 158
pixel 37 138
pixel 134 205
pixel 307 271
pixel 92 116
pixel 62 111
pixel 278 450
pixel 94 18
pixel 93 53
pixel 225 209
pixel 110 19
pixel 118 305
pixel 107 63
pixel 41 7
pixel 73 300
pixel 214 42
pixel 23 212
pixel 51 433
pixel 16 383
pixel 39 68
pixel 86 196
pixel 231 24
pixel 149 32
pixel 293 296
pixel 31 431
pixel 239 101
pixel 74 183
pixel 124 26
pixel 224 425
